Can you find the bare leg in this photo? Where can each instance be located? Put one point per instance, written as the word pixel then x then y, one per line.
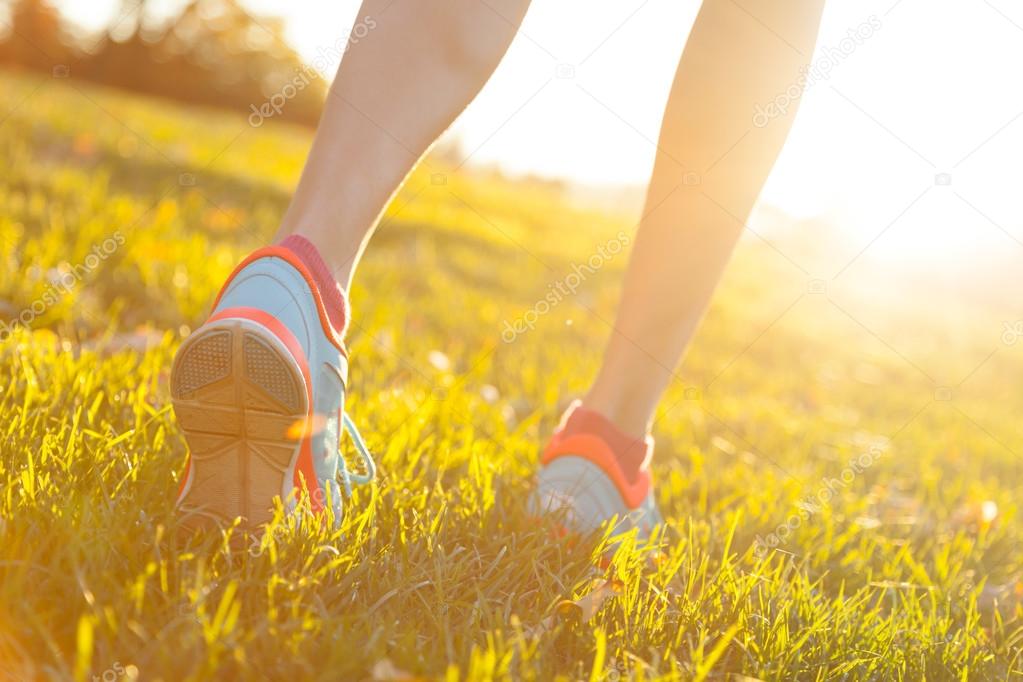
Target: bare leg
pixel 737 57
pixel 397 89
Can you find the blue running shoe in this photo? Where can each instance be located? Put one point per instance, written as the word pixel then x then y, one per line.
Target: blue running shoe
pixel 592 473
pixel 259 392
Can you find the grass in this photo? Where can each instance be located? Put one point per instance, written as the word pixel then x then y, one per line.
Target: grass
pixel 906 567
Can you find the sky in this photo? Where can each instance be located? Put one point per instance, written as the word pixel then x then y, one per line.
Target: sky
pixel 913 138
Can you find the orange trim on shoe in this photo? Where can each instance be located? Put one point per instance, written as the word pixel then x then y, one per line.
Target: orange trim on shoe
pixel 184 479
pixel 304 467
pixel 594 450
pixel 294 261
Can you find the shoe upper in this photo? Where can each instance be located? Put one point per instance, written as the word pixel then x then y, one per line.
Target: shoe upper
pixel 582 477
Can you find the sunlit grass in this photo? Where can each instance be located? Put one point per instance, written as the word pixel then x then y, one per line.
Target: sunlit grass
pixel 437 571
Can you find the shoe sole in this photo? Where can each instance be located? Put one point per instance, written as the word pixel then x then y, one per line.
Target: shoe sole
pixel 239 395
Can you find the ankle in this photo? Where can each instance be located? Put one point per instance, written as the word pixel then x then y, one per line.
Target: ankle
pixel 628 415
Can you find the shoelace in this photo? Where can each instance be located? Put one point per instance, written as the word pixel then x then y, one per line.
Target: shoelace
pixel 347 477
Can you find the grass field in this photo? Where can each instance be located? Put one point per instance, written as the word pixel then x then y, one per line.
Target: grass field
pixel 841 480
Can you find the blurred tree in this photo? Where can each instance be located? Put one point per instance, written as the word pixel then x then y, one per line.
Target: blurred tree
pixel 212 52
pixel 36 38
